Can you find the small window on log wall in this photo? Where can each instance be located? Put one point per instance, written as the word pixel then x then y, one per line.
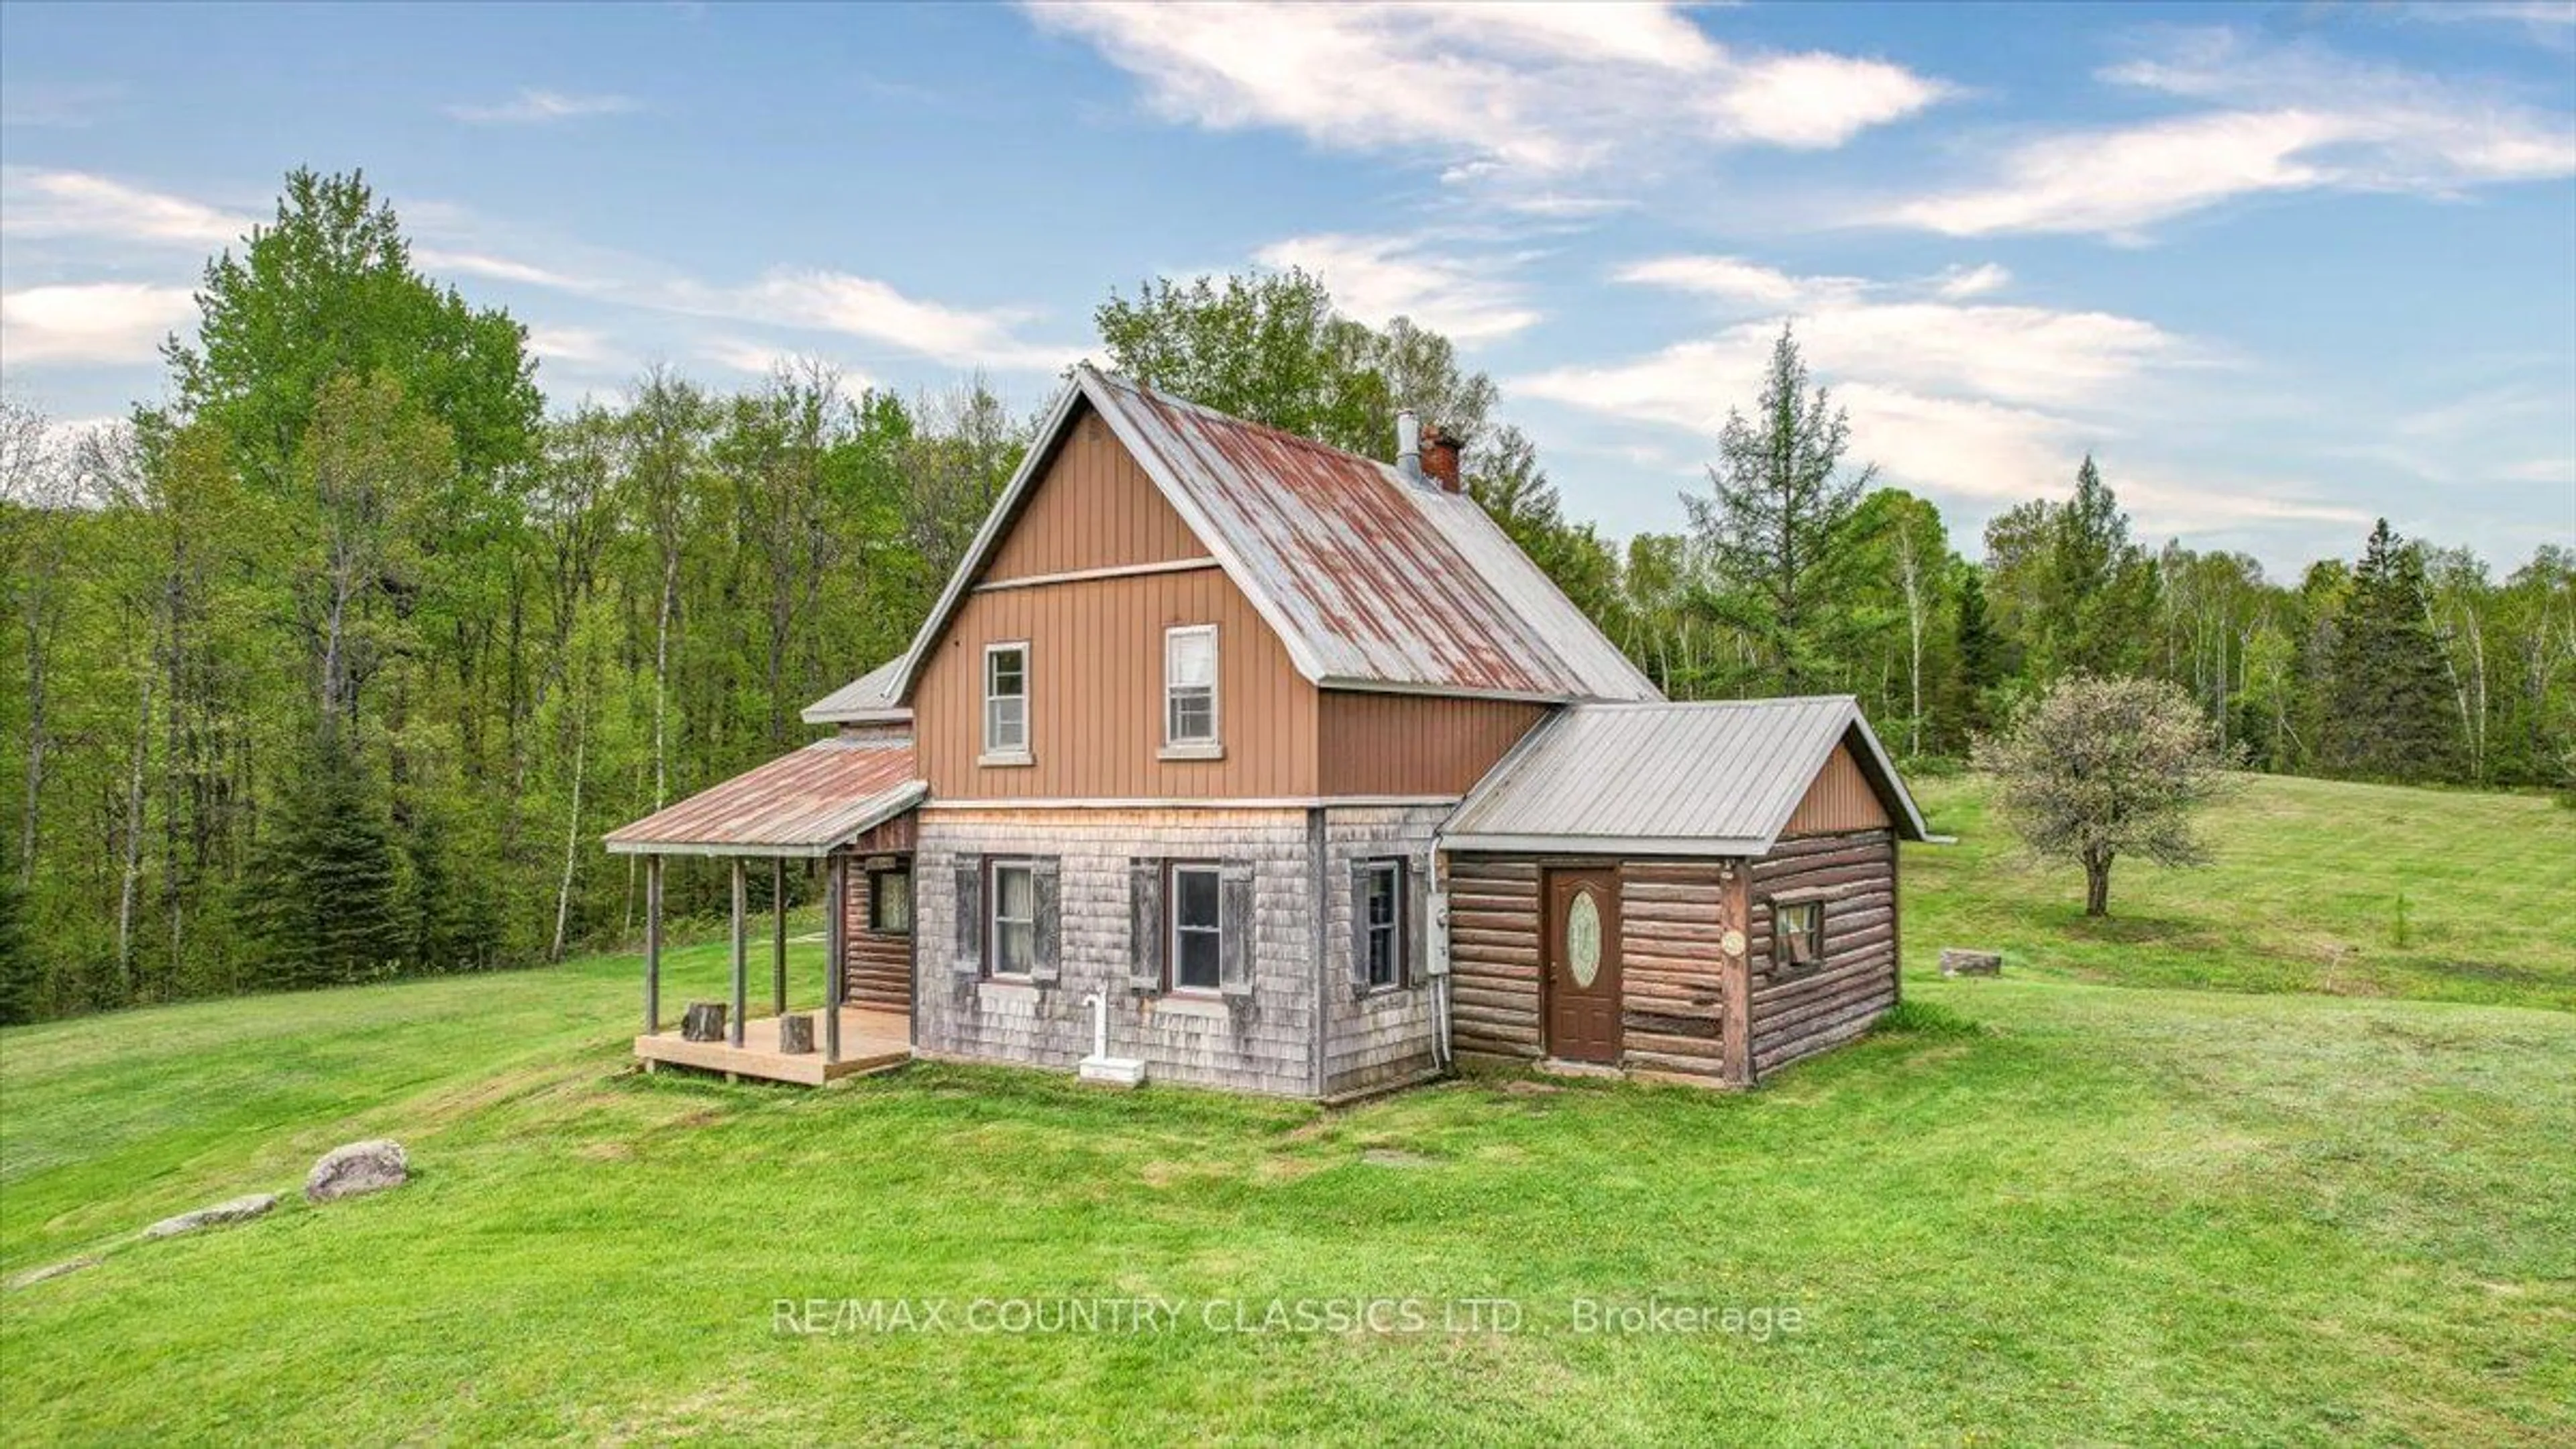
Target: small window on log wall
pixel 890 902
pixel 1798 934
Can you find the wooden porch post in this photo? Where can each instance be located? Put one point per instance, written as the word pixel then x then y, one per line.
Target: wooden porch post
pixel 836 877
pixel 740 985
pixel 778 933
pixel 652 944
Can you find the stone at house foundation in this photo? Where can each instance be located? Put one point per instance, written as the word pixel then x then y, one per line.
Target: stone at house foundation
pixel 237 1210
pixel 796 1034
pixel 704 1021
pixel 360 1167
pixel 1955 962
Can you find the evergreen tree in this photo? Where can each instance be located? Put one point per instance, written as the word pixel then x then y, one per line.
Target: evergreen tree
pixel 321 890
pixel 2390 713
pixel 1775 528
pixel 1980 655
pixel 18 983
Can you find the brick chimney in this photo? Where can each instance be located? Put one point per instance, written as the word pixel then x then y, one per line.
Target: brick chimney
pixel 1440 458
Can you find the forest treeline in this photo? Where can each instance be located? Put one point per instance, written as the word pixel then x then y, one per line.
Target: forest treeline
pixel 335 663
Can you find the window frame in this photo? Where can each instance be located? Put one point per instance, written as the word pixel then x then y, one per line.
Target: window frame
pixel 1782 957
pixel 1212 745
pixel 876 900
pixel 1394 928
pixel 995 753
pixel 1173 870
pixel 994 920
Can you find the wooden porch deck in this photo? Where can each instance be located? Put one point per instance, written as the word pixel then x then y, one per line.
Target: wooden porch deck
pixel 871 1041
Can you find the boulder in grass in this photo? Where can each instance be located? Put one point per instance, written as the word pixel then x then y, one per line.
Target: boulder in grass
pixel 238 1210
pixel 1955 962
pixel 360 1167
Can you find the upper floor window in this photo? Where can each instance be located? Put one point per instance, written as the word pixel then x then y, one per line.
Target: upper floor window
pixel 1006 701
pixel 1189 687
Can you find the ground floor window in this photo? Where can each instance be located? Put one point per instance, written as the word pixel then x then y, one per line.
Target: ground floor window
pixel 1198 927
pixel 1798 932
pixel 890 902
pixel 1381 906
pixel 1012 946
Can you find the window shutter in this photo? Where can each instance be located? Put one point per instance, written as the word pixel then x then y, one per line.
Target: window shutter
pixel 1145 925
pixel 1234 945
pixel 1359 925
pixel 1044 874
pixel 1415 910
pixel 969 960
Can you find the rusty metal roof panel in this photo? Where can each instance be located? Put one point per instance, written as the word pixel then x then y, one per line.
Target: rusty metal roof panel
pixel 1372 580
pixel 804 803
pixel 866 699
pixel 1713 778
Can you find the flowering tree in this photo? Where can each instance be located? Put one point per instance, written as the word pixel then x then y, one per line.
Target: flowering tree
pixel 2101 768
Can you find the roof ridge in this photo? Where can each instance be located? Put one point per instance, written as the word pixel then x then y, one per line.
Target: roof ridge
pixel 1173 399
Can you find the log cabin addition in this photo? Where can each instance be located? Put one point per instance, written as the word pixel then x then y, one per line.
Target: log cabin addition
pixel 1229 759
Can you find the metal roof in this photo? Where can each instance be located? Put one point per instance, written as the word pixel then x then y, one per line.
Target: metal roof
pixel 867 699
pixel 806 803
pixel 1716 778
pixel 1371 580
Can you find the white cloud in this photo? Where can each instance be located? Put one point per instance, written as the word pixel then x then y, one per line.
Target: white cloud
pixel 1734 279
pixel 98 322
pixel 36 203
pixel 438 260
pixel 865 308
pixel 1375 278
pixel 1978 402
pixel 575 347
pixel 2285 119
pixel 1531 91
pixel 533 106
pixel 1960 283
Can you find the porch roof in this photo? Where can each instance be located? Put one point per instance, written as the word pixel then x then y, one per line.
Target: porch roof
pixel 803 804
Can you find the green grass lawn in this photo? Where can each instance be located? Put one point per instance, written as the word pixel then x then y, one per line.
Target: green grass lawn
pixel 2346 890
pixel 2049 1210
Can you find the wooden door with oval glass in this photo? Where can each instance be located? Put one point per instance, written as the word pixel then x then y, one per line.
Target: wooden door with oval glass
pixel 1583 965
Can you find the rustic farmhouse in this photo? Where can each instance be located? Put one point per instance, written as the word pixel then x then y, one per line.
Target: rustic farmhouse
pixel 1231 759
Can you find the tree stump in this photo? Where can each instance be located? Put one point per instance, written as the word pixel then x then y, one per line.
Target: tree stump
pixel 704 1021
pixel 1955 962
pixel 796 1034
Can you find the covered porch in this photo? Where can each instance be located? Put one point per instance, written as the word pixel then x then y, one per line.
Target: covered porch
pixel 821 806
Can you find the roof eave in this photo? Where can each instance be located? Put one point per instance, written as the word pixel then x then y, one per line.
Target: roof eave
pixel 1712 847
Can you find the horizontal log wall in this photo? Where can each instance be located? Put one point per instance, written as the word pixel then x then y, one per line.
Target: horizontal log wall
pixel 1799 1013
pixel 1493 957
pixel 1674 998
pixel 876 966
pixel 1672 921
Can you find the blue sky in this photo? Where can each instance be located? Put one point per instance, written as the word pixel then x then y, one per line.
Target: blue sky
pixel 2281 268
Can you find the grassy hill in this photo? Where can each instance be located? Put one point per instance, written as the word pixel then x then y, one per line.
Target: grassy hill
pixel 2340 889
pixel 2046 1209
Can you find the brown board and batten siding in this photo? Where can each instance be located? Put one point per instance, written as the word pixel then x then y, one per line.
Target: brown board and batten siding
pixel 1796 1012
pixel 1414 744
pixel 1096 695
pixel 1093 508
pixel 1840 799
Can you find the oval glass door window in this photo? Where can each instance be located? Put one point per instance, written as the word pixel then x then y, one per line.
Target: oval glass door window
pixel 1583 939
